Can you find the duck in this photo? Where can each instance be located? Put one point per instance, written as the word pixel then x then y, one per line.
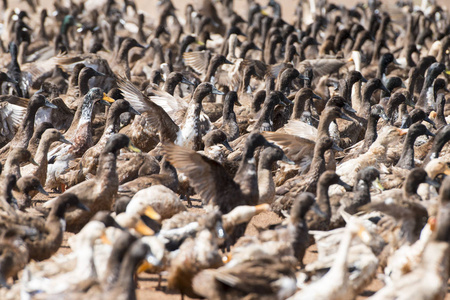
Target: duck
pixel 260 277
pixel 50 231
pixel 241 190
pixel 89 159
pixel 335 284
pixel 406 160
pixel 25 186
pixel 26 128
pixel 48 137
pixel 308 181
pixel 188 133
pixel 163 200
pixel 16 157
pixel 415 284
pixel 105 185
pixel 14 253
pixel 190 259
pixel 80 142
pixel 37 135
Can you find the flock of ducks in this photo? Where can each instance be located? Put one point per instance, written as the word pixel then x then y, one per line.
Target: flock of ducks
pixel 336 121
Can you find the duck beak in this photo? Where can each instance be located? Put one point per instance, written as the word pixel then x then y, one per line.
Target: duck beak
pixel 345 117
pixel 432 182
pixel 429 133
pixel 133 148
pixel 185 81
pixel 33 161
pixel 237 103
pixel 106 100
pixel 315 96
pixel 287 160
pixel 402 131
pixel 348 108
pixel 41 190
pixel 426 119
pixel 228 62
pixel 262 207
pixel 377 185
pixel 336 147
pixel 264 12
pixel 200 43
pixel 286 101
pixel 346 186
pixel 385 89
pixel 133 111
pixel 50 105
pixel 350 59
pixel 216 91
pixel 80 205
pixel 447 72
pixel 363 80
pixel 62 139
pixel 97 73
pixel 152 214
pixel 143 229
pixel 227 145
pixel 105 239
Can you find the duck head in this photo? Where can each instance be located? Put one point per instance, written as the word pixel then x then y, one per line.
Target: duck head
pixel 117 142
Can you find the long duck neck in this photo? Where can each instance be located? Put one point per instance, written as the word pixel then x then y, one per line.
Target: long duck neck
pixel 323 199
pixel 246 176
pixel 41 158
pixel 371 132
pixel 26 129
pixel 406 160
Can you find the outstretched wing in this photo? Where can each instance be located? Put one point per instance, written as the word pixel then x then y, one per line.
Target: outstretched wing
pixel 207 176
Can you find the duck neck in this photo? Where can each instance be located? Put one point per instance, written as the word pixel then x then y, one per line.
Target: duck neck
pixel 126 283
pixel 266 185
pixel 170 85
pixel 112 125
pixel 27 127
pixel 361 195
pixel 266 117
pixel 323 200
pixel 83 82
pixel 324 124
pixel 299 107
pixel 106 170
pixel 41 158
pixel 86 113
pixel 246 177
pixel 407 158
pixel 212 68
pixel 371 131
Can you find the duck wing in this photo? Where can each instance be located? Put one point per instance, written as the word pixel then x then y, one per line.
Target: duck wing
pixel 208 177
pixel 296 148
pixel 321 66
pixel 157 116
pixel 301 129
pixel 198 60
